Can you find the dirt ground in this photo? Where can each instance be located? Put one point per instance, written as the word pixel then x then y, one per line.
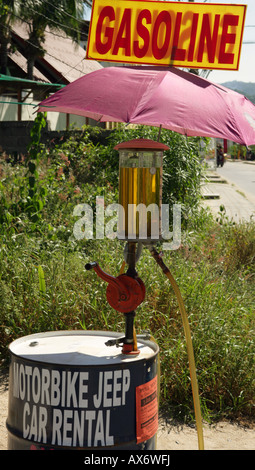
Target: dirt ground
pixel 223 436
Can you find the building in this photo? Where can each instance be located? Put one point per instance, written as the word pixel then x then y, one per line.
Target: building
pixel 63 62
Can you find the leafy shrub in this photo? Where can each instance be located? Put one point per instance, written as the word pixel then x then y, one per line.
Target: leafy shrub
pixel 93 162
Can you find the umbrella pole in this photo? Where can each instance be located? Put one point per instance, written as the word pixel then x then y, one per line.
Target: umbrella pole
pixel 159 132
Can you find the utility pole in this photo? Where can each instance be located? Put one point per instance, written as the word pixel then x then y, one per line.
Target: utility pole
pixel 204 73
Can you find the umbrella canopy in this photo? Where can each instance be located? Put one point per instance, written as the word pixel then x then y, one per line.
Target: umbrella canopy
pixel 167 97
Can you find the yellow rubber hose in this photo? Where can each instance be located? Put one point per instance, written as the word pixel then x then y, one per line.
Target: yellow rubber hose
pixel 122 267
pixel 190 351
pixel 158 368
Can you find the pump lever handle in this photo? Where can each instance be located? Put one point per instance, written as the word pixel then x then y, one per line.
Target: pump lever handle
pixel 115 282
pixel 91 265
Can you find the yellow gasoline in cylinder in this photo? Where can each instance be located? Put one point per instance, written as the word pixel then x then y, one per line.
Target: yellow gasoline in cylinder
pixel 140 183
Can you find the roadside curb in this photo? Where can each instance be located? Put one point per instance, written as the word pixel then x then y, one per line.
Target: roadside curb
pixel 247 162
pixel 218 192
pixel 207 189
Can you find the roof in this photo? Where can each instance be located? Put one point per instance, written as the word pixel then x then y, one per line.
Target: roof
pixel 20 60
pixel 63 58
pixel 141 144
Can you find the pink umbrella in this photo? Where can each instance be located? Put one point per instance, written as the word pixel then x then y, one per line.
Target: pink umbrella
pixel 167 97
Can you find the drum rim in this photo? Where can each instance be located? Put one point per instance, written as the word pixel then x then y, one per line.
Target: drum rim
pixel 128 359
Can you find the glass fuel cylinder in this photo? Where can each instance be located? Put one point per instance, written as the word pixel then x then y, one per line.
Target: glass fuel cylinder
pixel 140 189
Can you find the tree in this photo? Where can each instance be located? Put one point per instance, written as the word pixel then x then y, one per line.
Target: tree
pixel 7 10
pixel 58 15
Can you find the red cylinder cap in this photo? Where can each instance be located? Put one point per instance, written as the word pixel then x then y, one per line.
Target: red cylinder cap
pixel 141 144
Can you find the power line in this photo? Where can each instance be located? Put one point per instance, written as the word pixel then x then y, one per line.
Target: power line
pixel 54 21
pixel 65 12
pixel 44 51
pixel 31 24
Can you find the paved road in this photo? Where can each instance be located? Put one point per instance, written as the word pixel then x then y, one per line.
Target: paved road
pixel 241 174
pixel 237 196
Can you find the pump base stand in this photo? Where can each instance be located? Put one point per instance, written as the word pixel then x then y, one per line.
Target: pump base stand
pixel 128 350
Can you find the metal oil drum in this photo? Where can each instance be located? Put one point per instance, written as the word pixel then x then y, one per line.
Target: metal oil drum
pixel 69 390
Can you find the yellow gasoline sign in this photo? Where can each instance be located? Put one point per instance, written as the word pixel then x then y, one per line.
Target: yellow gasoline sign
pixel 193 35
pixel 140 188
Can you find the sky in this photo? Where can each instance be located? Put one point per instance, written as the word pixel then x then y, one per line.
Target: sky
pixel 246 72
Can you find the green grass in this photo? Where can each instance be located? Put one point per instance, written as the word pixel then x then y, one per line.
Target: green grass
pixel 44 286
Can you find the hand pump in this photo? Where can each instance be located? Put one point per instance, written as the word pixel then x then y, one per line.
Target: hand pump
pixel 140 189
